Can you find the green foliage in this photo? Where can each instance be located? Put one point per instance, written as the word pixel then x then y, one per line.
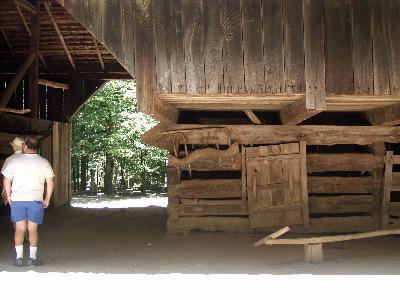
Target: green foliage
pixel 109 123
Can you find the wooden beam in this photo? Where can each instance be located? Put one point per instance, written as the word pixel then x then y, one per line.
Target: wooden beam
pixel 252 116
pixel 314 54
pixel 34 68
pixel 296 113
pixel 275 134
pixel 60 36
pixel 26 5
pixel 96 46
pixel 8 43
pixel 384 116
pixel 16 111
pixel 7 93
pixel 163 111
pixel 28 30
pixel 53 84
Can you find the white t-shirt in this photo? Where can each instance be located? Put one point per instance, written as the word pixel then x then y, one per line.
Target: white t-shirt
pixel 8 159
pixel 28 173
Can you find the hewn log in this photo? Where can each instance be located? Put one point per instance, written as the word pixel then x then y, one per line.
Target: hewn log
pixel 53 84
pixel 197 188
pixel 350 185
pixel 341 204
pixel 272 134
pixel 343 162
pixel 252 116
pixel 201 154
pixel 384 116
pixel 214 210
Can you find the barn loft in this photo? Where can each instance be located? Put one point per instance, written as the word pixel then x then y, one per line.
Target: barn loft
pixel 275 112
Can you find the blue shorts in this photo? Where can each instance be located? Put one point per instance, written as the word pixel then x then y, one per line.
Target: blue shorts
pixel 27 210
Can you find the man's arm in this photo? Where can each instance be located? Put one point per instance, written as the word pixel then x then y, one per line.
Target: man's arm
pixel 7 188
pixel 49 191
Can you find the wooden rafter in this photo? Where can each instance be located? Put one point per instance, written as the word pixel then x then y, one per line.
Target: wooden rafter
pixel 28 30
pixel 163 111
pixel 26 5
pixel 296 113
pixel 8 42
pixel 252 116
pixel 7 93
pixel 60 36
pixel 96 45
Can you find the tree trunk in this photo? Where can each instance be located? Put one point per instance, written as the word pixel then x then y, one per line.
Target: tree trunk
pixel 108 175
pixel 84 163
pixel 143 186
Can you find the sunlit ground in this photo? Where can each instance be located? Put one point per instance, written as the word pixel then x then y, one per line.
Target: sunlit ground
pixel 101 201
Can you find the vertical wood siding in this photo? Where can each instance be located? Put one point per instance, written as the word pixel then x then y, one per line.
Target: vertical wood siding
pixel 246 46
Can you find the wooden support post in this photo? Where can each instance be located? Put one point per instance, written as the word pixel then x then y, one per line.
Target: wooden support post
pixel 313 253
pixel 387 187
pixel 34 68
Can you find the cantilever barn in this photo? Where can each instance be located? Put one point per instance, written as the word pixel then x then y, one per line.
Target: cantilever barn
pixel 275 112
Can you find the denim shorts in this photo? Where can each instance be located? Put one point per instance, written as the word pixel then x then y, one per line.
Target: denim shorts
pixel 27 210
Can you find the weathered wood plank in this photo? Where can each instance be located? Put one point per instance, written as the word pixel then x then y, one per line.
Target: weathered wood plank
pixel 193 23
pixel 343 162
pixel 161 40
pixel 198 188
pixel 128 37
pixel 294 45
pixel 394 209
pixel 387 188
pixel 215 164
pixel 380 55
pixel 213 62
pixel 145 54
pixel 341 224
pixel 272 11
pixel 341 204
pixel 362 47
pixel 232 46
pixel 338 47
pixel 384 116
pixel 348 185
pixel 253 47
pixel 313 12
pixel 175 34
pixel 395 186
pixel 204 202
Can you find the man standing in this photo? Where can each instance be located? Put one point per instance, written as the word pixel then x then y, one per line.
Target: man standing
pixel 24 182
pixel 16 144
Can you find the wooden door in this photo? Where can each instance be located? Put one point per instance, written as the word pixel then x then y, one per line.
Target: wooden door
pixel 277 185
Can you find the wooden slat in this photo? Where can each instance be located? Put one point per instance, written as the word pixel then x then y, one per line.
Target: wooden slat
pixel 216 165
pixel 387 185
pixel 380 55
pixel 294 45
pixel 213 61
pixel 338 47
pixel 232 46
pixel 303 183
pixel 252 116
pixel 362 47
pixel 342 162
pixel 198 188
pixel 314 55
pixel 348 185
pixel 214 210
pixel 394 209
pixel 176 44
pixel 161 47
pixel 111 11
pixel 273 46
pixel 341 204
pixel 193 22
pixel 395 186
pixel 253 47
pixel 96 46
pixel 205 202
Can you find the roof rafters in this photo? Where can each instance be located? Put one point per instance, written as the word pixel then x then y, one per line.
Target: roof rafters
pixel 26 5
pixel 28 30
pixel 8 43
pixel 60 36
pixel 96 45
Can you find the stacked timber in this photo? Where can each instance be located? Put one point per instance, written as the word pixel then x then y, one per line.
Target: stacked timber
pixel 206 194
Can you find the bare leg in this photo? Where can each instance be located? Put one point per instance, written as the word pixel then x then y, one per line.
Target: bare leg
pixel 33 234
pixel 20 228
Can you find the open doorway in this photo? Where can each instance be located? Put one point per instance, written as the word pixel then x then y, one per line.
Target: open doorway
pixel 110 167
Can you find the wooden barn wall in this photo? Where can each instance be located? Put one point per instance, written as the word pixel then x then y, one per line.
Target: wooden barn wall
pixel 248 46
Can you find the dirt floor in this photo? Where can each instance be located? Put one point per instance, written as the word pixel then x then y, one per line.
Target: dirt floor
pixel 134 241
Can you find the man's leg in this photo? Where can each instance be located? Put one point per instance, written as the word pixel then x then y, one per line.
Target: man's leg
pixel 20 228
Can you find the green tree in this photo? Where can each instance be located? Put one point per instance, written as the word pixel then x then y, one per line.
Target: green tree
pixel 106 134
